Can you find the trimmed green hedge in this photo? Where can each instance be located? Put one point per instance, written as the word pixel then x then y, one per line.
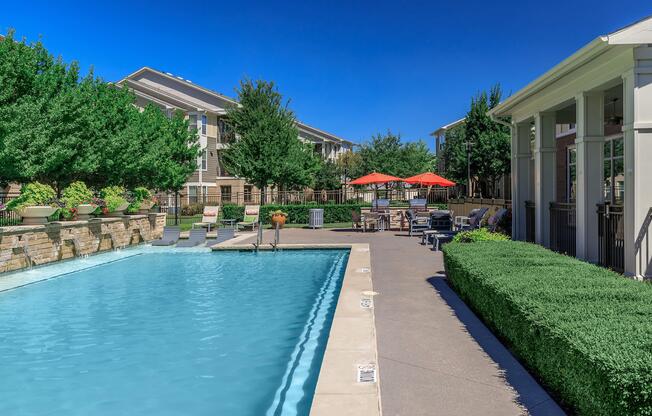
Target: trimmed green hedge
pixel 297 214
pixel 584 330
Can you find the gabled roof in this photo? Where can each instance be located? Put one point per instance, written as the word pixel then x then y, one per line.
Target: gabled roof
pixel 447 127
pixel 131 77
pixel 638 33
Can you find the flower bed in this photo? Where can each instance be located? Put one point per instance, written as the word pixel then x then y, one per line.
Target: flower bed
pixel 584 330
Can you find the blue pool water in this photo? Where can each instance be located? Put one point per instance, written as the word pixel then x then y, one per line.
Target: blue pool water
pixel 171 333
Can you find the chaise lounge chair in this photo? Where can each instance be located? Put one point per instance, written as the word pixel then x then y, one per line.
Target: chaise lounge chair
pixel 417 221
pixel 170 236
pixel 209 217
pixel 223 234
pixel 251 215
pixel 197 237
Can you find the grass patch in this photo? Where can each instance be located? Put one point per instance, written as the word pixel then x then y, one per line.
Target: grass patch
pixel 584 330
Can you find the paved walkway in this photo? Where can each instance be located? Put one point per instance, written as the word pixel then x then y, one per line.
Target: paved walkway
pixel 435 356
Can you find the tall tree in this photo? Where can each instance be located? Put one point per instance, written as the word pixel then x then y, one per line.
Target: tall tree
pixel 386 154
pixel 455 155
pixel 268 151
pixel 329 176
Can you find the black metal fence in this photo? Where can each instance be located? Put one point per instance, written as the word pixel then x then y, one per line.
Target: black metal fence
pixel 7 217
pixel 563 227
pixel 530 222
pixel 611 239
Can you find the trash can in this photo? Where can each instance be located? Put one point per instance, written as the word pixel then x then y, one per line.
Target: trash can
pixel 316 219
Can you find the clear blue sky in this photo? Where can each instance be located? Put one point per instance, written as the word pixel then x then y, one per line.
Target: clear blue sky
pixel 353 68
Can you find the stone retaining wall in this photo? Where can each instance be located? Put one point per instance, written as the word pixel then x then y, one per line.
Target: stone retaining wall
pixel 60 240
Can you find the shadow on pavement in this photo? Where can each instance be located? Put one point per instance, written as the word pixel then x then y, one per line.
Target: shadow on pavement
pixel 530 394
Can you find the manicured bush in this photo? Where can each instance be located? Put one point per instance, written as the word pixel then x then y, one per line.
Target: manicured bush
pixel 33 194
pixel 481 234
pixel 584 330
pixel 296 214
pixel 113 197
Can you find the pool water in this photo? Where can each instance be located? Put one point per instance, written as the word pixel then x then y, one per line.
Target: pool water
pixel 171 333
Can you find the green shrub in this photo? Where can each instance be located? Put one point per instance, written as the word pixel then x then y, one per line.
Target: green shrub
pixel 296 214
pixel 232 211
pixel 75 194
pixel 113 197
pixel 481 234
pixel 33 194
pixel 584 330
pixel 138 195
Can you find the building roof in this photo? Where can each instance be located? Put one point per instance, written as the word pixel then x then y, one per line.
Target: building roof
pixel 637 33
pixel 448 126
pixel 130 80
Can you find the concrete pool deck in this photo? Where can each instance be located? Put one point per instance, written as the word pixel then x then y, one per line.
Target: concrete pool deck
pixel 434 355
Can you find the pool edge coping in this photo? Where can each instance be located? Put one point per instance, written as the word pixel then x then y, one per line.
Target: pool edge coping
pixel 338 392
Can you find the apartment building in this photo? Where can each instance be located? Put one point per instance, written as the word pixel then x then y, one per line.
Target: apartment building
pixel 206 109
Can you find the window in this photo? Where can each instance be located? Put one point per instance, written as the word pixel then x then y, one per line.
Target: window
pixel 203 124
pixel 225 192
pixel 192 194
pixel 204 193
pixel 192 121
pixel 571 174
pixel 204 159
pixel 221 171
pixel 613 178
pixel 226 133
pixel 248 191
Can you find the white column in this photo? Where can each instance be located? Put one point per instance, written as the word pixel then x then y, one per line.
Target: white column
pixel 520 177
pixel 637 129
pixel 589 144
pixel 544 174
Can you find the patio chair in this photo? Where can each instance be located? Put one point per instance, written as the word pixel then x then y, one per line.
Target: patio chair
pixel 417 222
pixel 170 236
pixel 356 220
pixel 251 216
pixel 197 237
pixel 223 234
pixel 494 220
pixel 418 204
pixel 475 221
pixel 209 217
pixel 380 205
pixel 370 220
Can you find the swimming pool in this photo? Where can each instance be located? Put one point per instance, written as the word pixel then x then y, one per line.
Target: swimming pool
pixel 171 333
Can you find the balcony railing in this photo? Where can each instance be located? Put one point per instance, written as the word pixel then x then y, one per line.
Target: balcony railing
pixel 530 223
pixel 611 241
pixel 563 227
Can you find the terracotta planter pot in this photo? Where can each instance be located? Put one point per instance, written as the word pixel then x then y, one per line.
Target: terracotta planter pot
pixel 278 219
pixel 84 211
pixel 36 215
pixel 119 211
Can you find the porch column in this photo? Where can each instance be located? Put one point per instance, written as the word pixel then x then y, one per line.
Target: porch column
pixel 637 131
pixel 544 174
pixel 520 177
pixel 589 144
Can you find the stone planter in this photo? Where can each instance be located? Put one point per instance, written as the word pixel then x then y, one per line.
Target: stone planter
pixel 84 211
pixel 278 219
pixel 119 211
pixel 36 215
pixel 145 207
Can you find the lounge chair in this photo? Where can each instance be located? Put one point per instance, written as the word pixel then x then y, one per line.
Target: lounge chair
pixel 251 215
pixel 209 217
pixel 475 222
pixel 197 237
pixel 170 236
pixel 418 204
pixel 223 234
pixel 356 220
pixel 416 221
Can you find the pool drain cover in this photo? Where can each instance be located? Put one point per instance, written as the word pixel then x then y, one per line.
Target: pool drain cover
pixel 366 373
pixel 366 303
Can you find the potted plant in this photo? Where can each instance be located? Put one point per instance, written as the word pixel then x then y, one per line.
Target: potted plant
pixel 143 200
pixel 278 217
pixel 78 202
pixel 115 201
pixel 35 203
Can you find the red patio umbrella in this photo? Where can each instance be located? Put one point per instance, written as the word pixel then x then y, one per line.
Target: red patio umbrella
pixel 429 179
pixel 374 178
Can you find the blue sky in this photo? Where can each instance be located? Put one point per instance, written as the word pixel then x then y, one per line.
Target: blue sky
pixel 353 68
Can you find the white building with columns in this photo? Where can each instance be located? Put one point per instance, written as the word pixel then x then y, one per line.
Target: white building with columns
pixel 590 197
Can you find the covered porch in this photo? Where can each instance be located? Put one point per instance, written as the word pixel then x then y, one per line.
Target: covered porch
pixel 582 153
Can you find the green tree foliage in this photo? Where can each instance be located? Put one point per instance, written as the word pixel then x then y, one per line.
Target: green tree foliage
pixel 329 176
pixel 268 151
pixel 454 155
pixel 56 127
pixel 386 154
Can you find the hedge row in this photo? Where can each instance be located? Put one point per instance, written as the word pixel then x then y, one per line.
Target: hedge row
pixel 584 330
pixel 297 214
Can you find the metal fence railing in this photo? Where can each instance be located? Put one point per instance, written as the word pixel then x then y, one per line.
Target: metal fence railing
pixel 7 217
pixel 563 227
pixel 611 239
pixel 530 222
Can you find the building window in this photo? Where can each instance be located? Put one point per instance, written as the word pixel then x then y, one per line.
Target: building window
pixel 248 191
pixel 192 121
pixel 203 124
pixel 226 132
pixel 204 159
pixel 613 179
pixel 204 193
pixel 225 192
pixel 571 174
pixel 192 194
